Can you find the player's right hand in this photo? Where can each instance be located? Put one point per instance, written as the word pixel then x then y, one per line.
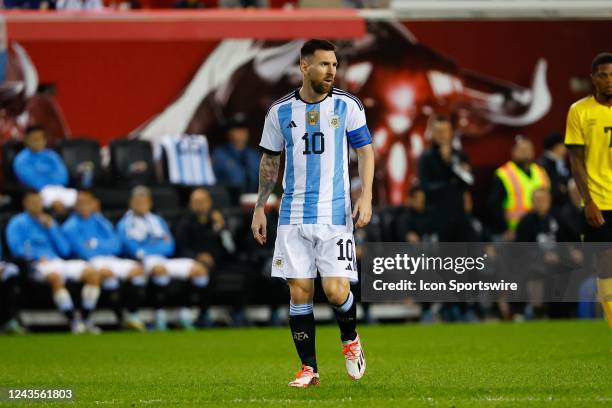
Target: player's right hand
pixel 593 215
pixel 258 226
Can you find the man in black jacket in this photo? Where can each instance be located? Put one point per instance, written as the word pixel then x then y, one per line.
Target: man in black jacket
pixel 445 175
pixel 198 236
pixel 414 222
pixel 554 162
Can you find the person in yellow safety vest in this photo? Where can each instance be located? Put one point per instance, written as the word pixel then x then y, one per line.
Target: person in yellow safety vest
pixel 513 188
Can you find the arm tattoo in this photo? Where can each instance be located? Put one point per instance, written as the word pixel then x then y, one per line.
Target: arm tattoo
pixel 577 155
pixel 268 174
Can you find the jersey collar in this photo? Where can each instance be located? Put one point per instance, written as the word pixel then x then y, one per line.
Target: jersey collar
pixel 299 98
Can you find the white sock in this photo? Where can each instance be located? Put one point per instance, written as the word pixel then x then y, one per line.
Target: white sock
pixel 110 284
pixel 89 296
pixel 63 300
pixel 160 314
pixel 185 314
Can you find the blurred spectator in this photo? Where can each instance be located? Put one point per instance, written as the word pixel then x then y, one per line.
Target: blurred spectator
pixel 42 169
pixel 201 235
pixel 554 162
pixel 476 229
pixel 538 225
pixel 9 299
pixel 92 238
pixel 145 236
pixel 236 164
pixel 242 3
pixel 26 4
pixel 72 5
pixel 414 222
pixel 513 188
pixel 445 174
pixel 35 237
pixel 188 4
pixel 571 214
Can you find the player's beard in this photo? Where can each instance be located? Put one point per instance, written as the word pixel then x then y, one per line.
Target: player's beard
pixel 322 87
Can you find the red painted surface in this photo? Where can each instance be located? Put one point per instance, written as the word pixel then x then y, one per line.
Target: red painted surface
pixel 508 50
pixel 108 87
pixel 181 25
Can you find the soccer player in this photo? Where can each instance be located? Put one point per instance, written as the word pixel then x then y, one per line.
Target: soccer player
pixel 313 125
pixel 35 237
pixel 92 238
pixel 146 236
pixel 42 169
pixel 588 137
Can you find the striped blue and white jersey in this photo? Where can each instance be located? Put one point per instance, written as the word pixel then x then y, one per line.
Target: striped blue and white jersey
pixel 188 159
pixel 315 137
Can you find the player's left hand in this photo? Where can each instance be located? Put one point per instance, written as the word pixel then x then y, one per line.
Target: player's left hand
pixel 258 226
pixel 363 207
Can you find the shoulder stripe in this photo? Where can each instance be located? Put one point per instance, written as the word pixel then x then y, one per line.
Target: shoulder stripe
pixel 280 100
pixel 353 97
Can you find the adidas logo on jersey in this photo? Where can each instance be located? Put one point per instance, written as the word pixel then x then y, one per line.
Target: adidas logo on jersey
pixel 291 125
pixel 348 268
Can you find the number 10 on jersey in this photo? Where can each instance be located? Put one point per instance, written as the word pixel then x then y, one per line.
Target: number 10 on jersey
pixel 314 143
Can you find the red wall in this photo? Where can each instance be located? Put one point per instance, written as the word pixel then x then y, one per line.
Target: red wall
pixel 107 88
pixel 509 51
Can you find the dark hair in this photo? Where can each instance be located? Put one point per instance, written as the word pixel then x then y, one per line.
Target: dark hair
pixel 552 140
pixel 601 59
pixel 28 192
pixel 311 46
pixel 238 120
pixel 34 128
pixel 414 189
pixel 84 190
pixel 440 117
pixel 520 138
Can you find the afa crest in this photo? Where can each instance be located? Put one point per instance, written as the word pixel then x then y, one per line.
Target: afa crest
pixel 313 117
pixel 278 263
pixel 334 121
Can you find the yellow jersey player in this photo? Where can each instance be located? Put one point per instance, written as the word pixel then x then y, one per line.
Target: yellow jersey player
pixel 589 139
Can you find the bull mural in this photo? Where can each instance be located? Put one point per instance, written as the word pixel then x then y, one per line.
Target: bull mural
pixel 400 81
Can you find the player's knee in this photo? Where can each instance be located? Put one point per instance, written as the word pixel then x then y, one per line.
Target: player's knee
pixel 337 293
pixel 138 270
pixel 159 270
pixel 105 273
pixel 91 276
pixel 55 280
pixel 300 295
pixel 199 270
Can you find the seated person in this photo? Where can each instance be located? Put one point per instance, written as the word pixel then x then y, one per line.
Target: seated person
pixel 9 299
pixel 92 238
pixel 236 164
pixel 145 236
pixel 43 170
pixel 201 235
pixel 35 237
pixel 414 222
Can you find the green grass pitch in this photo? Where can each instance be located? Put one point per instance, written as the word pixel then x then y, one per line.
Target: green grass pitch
pixel 532 364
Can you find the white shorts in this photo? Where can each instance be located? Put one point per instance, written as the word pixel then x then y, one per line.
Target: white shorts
pixel 302 249
pixel 71 270
pixel 65 195
pixel 179 268
pixel 120 267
